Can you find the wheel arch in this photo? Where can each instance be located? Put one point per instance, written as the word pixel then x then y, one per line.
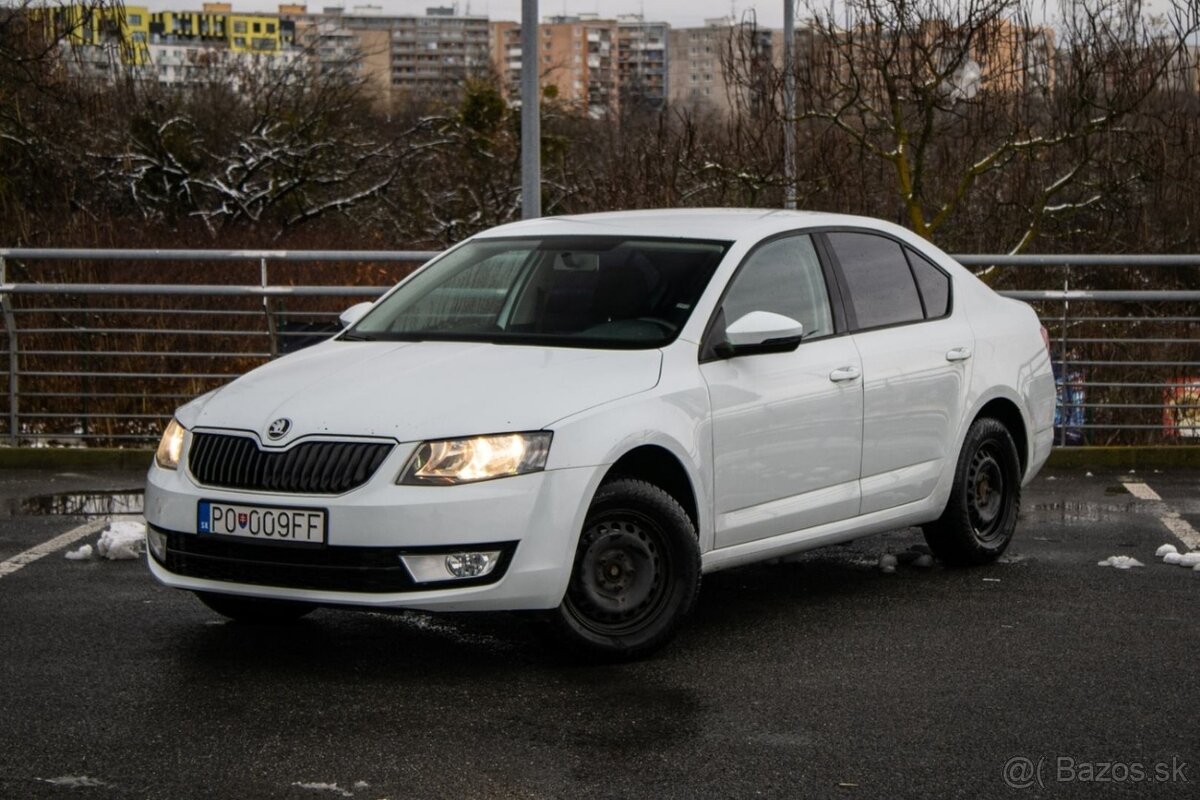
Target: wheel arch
pixel 1008 413
pixel 658 465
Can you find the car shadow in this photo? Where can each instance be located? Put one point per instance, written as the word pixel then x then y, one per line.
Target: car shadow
pixel 813 588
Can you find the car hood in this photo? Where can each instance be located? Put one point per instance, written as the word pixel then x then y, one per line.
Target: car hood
pixel 422 390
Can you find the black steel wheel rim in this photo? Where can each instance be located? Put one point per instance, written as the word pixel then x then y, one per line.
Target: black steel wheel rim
pixel 622 574
pixel 987 493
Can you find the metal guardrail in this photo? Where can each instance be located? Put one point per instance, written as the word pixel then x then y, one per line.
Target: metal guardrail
pixel 98 352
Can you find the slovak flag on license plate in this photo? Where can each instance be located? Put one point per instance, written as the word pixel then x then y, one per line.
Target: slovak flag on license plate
pixel 243 518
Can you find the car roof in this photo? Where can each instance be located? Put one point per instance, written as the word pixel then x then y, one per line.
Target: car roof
pixel 723 224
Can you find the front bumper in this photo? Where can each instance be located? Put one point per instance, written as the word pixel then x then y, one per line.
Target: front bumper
pixel 535 518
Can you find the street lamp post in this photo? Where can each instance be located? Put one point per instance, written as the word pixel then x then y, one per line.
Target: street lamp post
pixel 789 104
pixel 531 123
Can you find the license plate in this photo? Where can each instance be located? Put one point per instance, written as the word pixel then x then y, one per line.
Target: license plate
pixel 262 523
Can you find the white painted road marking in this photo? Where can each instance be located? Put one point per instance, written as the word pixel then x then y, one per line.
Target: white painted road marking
pixel 1182 529
pixel 46 548
pixel 1141 491
pixel 1177 525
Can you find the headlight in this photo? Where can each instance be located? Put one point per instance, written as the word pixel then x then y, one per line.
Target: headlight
pixel 479 458
pixel 171 446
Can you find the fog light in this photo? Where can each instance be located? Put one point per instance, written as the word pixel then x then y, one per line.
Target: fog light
pixel 156 543
pixel 451 566
pixel 469 565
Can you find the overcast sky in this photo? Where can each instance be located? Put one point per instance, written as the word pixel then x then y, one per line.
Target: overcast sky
pixel 680 13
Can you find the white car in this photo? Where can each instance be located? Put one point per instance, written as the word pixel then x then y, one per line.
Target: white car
pixel 581 415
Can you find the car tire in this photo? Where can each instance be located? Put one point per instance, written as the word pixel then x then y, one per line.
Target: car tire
pixel 635 576
pixel 255 610
pixel 981 514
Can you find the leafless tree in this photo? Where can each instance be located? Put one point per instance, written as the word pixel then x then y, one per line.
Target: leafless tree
pixel 954 99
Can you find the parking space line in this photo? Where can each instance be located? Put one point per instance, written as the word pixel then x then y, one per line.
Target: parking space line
pixel 1182 529
pixel 1179 527
pixel 46 548
pixel 1141 491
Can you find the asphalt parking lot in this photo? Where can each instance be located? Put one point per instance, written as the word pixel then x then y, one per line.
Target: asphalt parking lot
pixel 1041 676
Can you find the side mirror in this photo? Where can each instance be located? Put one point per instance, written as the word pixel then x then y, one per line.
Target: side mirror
pixel 760 332
pixel 354 313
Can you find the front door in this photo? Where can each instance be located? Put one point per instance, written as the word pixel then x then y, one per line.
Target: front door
pixel 787 427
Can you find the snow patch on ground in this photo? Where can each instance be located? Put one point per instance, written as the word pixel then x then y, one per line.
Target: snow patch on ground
pixel 325 787
pixel 82 554
pixel 73 781
pixel 1170 555
pixel 122 541
pixel 1120 562
pixel 887 563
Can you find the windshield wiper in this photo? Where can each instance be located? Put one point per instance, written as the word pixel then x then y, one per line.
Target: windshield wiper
pixel 356 337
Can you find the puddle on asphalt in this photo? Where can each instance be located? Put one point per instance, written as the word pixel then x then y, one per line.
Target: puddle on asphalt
pixel 1084 511
pixel 81 504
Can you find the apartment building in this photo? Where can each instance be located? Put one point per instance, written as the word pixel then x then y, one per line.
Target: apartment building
pixel 642 61
pixel 98 42
pixel 721 66
pixel 591 64
pixel 403 58
pixel 577 60
pixel 190 48
pixel 217 25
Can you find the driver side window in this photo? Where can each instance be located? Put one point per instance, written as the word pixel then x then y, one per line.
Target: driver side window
pixel 784 277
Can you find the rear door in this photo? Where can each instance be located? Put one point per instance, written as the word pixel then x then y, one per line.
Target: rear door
pixel 916 359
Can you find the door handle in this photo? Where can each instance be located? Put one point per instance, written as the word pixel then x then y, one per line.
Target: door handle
pixel 958 354
pixel 844 374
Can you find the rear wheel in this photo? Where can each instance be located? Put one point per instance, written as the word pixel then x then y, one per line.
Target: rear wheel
pixel 257 610
pixel 636 573
pixel 981 514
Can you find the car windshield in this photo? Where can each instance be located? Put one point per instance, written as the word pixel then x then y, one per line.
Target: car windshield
pixel 607 292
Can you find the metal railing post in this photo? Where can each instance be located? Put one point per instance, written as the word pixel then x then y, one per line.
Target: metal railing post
pixel 272 335
pixel 1062 343
pixel 10 327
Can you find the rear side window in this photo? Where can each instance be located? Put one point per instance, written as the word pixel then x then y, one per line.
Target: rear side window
pixel 933 283
pixel 881 286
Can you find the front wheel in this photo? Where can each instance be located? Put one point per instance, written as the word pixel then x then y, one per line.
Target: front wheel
pixel 257 610
pixel 636 573
pixel 981 514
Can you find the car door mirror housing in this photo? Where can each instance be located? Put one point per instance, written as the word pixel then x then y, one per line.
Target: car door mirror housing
pixel 354 313
pixel 760 332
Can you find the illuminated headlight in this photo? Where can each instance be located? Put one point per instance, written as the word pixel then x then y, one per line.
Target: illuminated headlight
pixel 451 566
pixel 171 446
pixel 478 458
pixel 156 543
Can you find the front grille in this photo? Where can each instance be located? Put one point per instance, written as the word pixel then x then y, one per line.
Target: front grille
pixel 237 462
pixel 329 568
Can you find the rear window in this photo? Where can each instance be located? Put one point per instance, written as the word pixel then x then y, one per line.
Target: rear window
pixel 881 286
